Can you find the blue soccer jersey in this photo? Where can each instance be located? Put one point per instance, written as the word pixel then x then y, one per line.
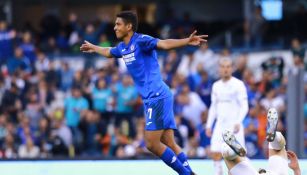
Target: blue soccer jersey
pixel 140 57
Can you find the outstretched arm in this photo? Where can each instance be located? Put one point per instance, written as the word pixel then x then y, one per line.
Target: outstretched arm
pixel 88 47
pixel 193 40
pixel 294 165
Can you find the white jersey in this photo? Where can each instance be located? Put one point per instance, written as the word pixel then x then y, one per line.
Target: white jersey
pixel 277 166
pixel 229 106
pixel 229 103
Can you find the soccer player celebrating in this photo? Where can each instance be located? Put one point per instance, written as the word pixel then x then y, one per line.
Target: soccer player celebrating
pixel 229 107
pixel 233 153
pixel 139 54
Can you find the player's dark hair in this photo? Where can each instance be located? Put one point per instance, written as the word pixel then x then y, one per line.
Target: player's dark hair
pixel 129 17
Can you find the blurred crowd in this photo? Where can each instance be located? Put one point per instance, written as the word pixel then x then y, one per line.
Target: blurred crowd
pixel 49 110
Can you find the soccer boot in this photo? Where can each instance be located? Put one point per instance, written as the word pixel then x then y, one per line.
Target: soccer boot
pixel 272 117
pixel 233 143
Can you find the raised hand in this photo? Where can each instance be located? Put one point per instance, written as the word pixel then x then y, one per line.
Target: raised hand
pixel 87 47
pixel 196 40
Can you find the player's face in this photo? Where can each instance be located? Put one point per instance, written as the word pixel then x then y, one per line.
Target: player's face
pixel 225 69
pixel 121 29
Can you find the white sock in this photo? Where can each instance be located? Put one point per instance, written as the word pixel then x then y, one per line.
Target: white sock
pixel 218 168
pixel 278 143
pixel 228 153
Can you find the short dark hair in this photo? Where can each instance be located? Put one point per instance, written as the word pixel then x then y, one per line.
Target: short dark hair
pixel 129 17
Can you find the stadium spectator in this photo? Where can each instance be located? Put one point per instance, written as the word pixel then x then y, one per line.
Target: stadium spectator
pixel 275 67
pixel 52 76
pixel 34 109
pixel 11 103
pixel 10 147
pixel 204 87
pixel 42 136
pixel 102 95
pixel 241 66
pixel 61 135
pixel 103 41
pixel 28 47
pixel 75 108
pixel 206 57
pixel 273 100
pixel 28 150
pixel 125 99
pixel 6 42
pixel 92 128
pixel 251 126
pixel 193 106
pixel 66 74
pixel 42 63
pixel 170 66
pixel 18 62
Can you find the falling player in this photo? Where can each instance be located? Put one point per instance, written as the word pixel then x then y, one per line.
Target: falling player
pixel 233 153
pixel 139 54
pixel 229 107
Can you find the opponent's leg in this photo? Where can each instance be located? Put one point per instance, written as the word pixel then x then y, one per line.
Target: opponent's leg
pixel 276 140
pixel 217 162
pixel 277 152
pixel 215 150
pixel 169 140
pixel 153 144
pixel 233 154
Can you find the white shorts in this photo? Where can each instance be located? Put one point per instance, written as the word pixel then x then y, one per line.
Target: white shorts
pixel 217 139
pixel 243 168
pixel 278 165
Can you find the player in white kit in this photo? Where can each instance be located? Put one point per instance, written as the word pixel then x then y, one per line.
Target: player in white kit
pixel 229 106
pixel 234 153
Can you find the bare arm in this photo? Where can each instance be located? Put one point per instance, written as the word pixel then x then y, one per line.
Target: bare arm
pixel 212 114
pixel 294 165
pixel 88 47
pixel 243 102
pixel 193 40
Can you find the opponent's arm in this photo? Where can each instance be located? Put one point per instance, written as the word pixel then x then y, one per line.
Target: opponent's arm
pixel 212 112
pixel 243 103
pixel 293 164
pixel 193 40
pixel 243 106
pixel 88 47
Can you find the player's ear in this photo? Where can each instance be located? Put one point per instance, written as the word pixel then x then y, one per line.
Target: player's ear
pixel 129 26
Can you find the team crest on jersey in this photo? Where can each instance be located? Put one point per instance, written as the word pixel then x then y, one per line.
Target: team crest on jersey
pixel 132 47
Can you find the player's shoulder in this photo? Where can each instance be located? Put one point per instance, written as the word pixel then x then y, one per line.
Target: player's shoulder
pixel 237 82
pixel 119 45
pixel 217 82
pixel 143 37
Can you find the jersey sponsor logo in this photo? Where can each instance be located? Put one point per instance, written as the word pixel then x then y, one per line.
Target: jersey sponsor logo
pixel 129 58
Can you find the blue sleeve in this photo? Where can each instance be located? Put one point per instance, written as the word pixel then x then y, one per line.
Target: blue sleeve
pixel 115 52
pixel 147 43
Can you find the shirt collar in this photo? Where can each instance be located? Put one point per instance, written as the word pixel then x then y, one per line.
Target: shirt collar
pixel 131 40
